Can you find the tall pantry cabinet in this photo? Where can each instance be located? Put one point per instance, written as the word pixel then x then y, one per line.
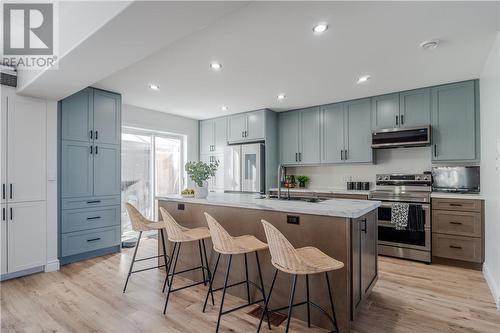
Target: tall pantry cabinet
pixel 23 177
pixel 90 174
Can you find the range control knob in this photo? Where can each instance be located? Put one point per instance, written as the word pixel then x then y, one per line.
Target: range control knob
pixel 417 178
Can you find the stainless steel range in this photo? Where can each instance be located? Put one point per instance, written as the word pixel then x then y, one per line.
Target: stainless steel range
pixel 413 242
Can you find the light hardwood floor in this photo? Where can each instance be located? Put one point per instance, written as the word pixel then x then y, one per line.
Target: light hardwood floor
pixel 87 297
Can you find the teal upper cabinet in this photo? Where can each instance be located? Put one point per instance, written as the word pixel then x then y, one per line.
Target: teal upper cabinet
pixel 309 136
pixel 244 127
pixel 107 122
pixel 289 137
pixel 385 110
pixel 332 133
pixel 358 137
pixel 455 122
pixel 212 135
pixel 77 120
pixel 106 162
pixel 415 108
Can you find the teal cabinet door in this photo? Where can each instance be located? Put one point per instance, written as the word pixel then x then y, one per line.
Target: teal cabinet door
pixel 106 170
pixel 77 116
pixel 289 137
pixel 332 133
pixel 220 138
pixel 385 110
pixel 309 134
pixel 357 133
pixel 415 108
pixel 256 128
pixel 236 127
pixel 454 122
pixel 206 136
pixel 77 169
pixel 107 121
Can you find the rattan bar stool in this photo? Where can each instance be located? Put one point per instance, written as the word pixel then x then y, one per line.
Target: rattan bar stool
pixel 178 234
pixel 140 224
pixel 228 245
pixel 303 261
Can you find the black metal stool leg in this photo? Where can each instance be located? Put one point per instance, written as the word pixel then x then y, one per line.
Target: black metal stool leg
pixel 165 257
pixel 208 270
pixel 267 301
pixel 290 306
pixel 202 264
pixel 331 302
pixel 308 302
pixel 262 286
pixel 133 260
pixel 246 275
pixel 224 292
pixel 172 279
pixel 168 268
pixel 211 284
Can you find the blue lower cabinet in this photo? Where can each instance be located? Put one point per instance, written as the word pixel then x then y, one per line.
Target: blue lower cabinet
pixel 90 202
pixel 89 240
pixel 84 219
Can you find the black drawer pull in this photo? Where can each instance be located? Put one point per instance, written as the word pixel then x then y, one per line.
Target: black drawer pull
pixel 457 223
pixel 3 191
pixel 363 228
pixel 455 247
pixel 93 218
pixel 455 205
pixel 93 239
pixel 93 201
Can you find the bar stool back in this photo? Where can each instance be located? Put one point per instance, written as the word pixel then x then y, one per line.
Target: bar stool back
pixel 141 224
pixel 303 261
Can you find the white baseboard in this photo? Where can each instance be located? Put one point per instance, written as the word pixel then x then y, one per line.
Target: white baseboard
pixel 495 290
pixel 52 266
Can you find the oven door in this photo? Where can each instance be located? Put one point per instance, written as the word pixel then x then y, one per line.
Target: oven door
pixel 388 235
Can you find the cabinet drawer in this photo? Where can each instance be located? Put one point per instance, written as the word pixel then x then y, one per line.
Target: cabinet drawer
pixel 457 204
pixel 457 247
pixel 90 240
pixel 84 219
pixel 457 223
pixel 90 202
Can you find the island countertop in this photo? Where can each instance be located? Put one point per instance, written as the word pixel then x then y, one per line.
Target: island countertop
pixel 334 207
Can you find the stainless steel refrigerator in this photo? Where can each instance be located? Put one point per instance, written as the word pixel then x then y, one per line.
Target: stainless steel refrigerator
pixel 244 168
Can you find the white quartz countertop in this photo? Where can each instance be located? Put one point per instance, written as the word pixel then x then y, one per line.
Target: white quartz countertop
pixel 321 190
pixel 445 195
pixel 334 207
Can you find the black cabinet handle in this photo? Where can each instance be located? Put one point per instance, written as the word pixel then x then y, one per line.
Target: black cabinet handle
pixel 455 205
pixel 11 214
pixel 435 150
pixel 11 190
pixel 93 218
pixel 345 155
pixel 456 223
pixel 93 201
pixel 3 214
pixel 91 149
pixel 363 227
pixel 96 150
pixel 402 119
pixel 96 134
pixel 91 136
pixel 93 239
pixel 455 247
pixel 296 157
pixel 397 120
pixel 242 134
pixel 342 154
pixel 3 191
pixel 300 157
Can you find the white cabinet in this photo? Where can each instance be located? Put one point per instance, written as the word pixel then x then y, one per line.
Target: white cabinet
pixel 215 183
pixel 212 135
pixel 245 127
pixel 23 179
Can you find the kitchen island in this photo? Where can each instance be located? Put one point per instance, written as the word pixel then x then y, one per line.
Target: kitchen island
pixel 343 229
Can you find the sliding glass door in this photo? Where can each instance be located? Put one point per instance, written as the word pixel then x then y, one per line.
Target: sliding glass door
pixel 151 165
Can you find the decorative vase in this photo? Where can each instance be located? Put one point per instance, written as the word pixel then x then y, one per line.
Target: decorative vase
pixel 201 192
pixel 302 184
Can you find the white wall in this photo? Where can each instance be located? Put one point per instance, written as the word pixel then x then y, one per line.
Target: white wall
pixel 490 165
pixel 402 160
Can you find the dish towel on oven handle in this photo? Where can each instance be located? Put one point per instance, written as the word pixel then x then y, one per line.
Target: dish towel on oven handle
pixel 399 215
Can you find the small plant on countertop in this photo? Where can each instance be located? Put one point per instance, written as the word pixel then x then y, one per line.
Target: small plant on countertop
pixel 303 180
pixel 200 172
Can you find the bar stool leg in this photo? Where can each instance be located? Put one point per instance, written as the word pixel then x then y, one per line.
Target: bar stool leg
pixel 267 301
pixel 168 269
pixel 308 302
pixel 262 286
pixel 290 306
pixel 211 284
pixel 224 292
pixel 331 302
pixel 165 257
pixel 246 275
pixel 133 260
pixel 202 265
pixel 178 246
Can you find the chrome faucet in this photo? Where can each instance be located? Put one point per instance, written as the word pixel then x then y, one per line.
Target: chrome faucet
pixel 281 169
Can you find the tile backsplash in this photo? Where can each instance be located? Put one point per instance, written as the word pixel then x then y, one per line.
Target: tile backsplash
pixel 401 160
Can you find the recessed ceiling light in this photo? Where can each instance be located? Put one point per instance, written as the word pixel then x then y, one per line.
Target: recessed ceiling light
pixel 363 79
pixel 224 108
pixel 153 86
pixel 320 27
pixel 281 96
pixel 215 66
pixel 429 44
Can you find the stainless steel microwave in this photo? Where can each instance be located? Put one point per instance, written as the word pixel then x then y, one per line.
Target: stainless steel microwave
pixel 456 179
pixel 401 137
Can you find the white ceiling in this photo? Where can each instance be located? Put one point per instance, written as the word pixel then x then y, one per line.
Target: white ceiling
pixel 267 48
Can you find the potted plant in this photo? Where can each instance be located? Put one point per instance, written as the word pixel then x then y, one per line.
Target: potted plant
pixel 302 180
pixel 200 172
